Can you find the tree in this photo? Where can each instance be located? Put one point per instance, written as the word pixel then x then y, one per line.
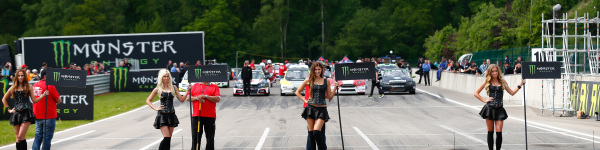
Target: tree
pixel 440 44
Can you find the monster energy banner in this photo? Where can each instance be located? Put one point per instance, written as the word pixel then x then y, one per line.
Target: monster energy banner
pixel 4 87
pixel 355 71
pixel 77 103
pixel 208 73
pixel 153 50
pixel 584 97
pixel 122 79
pixel 66 78
pixel 541 70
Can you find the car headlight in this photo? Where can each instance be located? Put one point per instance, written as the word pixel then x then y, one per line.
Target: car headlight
pixel 385 82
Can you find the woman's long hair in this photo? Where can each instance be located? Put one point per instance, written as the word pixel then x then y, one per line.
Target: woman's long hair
pixel 312 76
pixel 160 84
pixel 23 84
pixel 488 78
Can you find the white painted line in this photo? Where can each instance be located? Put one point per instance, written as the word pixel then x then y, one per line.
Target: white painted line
pixel 465 135
pixel 73 137
pixel 366 138
pixel 262 139
pixel 158 141
pixel 115 116
pixel 531 123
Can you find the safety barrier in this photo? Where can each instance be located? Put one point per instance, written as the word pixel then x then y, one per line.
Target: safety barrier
pixel 101 83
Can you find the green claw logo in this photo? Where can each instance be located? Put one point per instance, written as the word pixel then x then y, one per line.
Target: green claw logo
pixel 532 69
pixel 198 72
pixel 59 50
pixel 345 70
pixel 56 76
pixel 4 86
pixel 120 76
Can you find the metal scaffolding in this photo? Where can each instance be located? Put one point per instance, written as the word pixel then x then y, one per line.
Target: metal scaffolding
pixel 575 58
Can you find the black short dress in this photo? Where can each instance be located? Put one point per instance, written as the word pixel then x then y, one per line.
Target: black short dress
pixel 315 112
pixel 494 110
pixel 166 116
pixel 23 108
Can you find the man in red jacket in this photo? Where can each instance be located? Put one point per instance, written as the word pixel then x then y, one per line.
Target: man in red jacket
pixel 205 97
pixel 45 113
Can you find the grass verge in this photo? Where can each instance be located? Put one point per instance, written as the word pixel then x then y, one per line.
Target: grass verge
pixel 105 105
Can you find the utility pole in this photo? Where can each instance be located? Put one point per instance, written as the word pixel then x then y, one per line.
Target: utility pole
pixel 322 30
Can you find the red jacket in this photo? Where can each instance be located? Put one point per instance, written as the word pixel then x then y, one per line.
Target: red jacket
pixel 38 108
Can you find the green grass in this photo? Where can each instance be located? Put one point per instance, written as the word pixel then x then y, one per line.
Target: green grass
pixel 104 107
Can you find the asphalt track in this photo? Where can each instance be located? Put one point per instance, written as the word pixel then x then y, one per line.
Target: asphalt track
pixel 431 119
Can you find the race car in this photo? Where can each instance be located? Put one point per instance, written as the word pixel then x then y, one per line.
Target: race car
pixel 397 80
pixel 294 76
pixel 259 85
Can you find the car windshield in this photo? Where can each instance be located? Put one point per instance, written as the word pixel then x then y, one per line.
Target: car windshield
pixel 396 73
pixel 257 75
pixel 296 75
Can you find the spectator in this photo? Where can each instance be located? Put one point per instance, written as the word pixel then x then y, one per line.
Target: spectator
pixel 127 64
pixel 44 66
pixel 198 63
pixel 506 59
pixel 23 67
pixel 262 63
pixel 174 68
pixel 29 75
pixel 122 64
pixel 252 65
pixel 35 74
pixel 86 67
pixel 6 69
pixel 456 68
pixel 484 66
pixel 426 68
pixel 518 61
pixel 508 69
pixel 102 69
pixel 182 70
pixel 169 65
pixel 517 68
pixel 420 71
pixel 475 70
pixel 443 66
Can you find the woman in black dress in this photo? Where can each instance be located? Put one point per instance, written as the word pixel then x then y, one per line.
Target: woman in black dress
pixel 493 111
pixel 315 112
pixel 22 112
pixel 166 120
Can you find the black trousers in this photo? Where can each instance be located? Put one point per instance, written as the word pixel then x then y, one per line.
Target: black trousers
pixel 427 79
pixel 246 88
pixel 420 72
pixel 208 124
pixel 373 85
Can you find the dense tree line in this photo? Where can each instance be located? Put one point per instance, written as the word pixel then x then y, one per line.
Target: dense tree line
pixel 292 28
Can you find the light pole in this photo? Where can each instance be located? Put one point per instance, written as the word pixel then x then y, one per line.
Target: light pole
pixel 236 58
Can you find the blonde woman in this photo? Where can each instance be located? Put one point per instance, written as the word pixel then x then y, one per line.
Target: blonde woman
pixel 493 111
pixel 166 120
pixel 22 112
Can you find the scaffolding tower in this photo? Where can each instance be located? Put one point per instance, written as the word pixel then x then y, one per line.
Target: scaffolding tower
pixel 575 58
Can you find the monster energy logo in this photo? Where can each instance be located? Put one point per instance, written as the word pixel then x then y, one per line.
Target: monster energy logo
pixel 4 86
pixel 345 70
pixel 198 72
pixel 59 50
pixel 531 69
pixel 120 76
pixel 56 76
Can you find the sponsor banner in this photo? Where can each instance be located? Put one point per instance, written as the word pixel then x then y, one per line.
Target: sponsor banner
pixel 208 73
pixel 541 70
pixel 543 55
pixel 77 103
pixel 66 78
pixel 355 71
pixel 123 80
pixel 584 97
pixel 153 50
pixel 4 87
